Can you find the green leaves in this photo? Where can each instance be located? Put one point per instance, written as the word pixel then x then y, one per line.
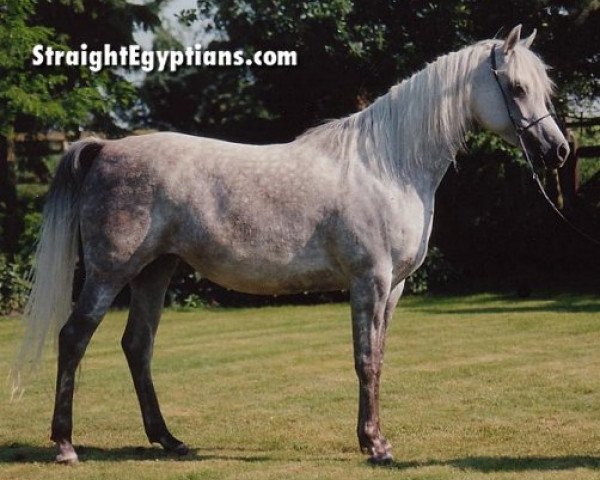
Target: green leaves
pixel 14 284
pixel 24 89
pixel 64 97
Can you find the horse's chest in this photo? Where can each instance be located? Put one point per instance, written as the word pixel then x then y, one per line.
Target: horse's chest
pixel 408 235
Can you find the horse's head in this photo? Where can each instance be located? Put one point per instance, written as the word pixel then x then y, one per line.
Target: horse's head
pixel 511 97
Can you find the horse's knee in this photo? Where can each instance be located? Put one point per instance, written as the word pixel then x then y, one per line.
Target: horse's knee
pixel 368 368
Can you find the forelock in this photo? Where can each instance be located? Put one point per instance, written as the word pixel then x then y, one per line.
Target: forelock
pixel 524 66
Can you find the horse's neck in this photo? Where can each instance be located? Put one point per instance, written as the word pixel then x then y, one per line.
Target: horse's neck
pixel 426 116
pixel 411 134
pixel 426 175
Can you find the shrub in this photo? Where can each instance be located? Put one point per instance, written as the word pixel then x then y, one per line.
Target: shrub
pixel 14 284
pixel 434 274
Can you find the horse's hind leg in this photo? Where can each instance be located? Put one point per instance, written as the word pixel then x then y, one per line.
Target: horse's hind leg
pixel 147 298
pixel 95 299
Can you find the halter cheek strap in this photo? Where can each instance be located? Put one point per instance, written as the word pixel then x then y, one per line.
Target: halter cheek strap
pixel 518 128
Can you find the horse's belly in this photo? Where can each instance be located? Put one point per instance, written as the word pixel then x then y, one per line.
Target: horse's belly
pixel 267 267
pixel 267 277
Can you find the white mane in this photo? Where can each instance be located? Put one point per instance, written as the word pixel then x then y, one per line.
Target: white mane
pixel 422 119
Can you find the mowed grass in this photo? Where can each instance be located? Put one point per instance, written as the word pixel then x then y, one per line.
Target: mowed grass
pixel 473 387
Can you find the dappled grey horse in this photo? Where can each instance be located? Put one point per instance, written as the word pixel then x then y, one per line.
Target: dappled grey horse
pixel 347 205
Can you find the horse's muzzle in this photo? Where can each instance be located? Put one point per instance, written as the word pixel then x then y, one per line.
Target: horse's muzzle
pixel 556 157
pixel 548 154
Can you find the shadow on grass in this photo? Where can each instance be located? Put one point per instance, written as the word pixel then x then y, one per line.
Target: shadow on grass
pixel 23 453
pixel 507 464
pixel 523 306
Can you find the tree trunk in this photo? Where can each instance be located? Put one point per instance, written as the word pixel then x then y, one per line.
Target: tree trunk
pixel 9 203
pixel 569 176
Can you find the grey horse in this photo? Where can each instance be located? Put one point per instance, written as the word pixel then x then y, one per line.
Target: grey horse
pixel 347 205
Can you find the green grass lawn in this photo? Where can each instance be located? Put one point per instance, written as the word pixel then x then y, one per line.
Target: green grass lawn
pixel 473 387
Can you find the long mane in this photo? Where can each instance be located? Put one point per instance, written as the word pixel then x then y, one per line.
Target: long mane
pixel 424 116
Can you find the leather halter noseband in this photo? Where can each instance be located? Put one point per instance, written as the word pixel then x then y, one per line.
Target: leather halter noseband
pixel 518 128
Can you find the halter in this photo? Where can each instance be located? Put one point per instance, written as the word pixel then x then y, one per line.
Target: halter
pixel 519 130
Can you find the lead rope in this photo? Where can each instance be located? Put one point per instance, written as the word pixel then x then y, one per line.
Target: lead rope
pixel 553 206
pixel 519 131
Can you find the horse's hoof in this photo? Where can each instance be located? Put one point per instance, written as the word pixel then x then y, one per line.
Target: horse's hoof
pixel 67 458
pixel 182 449
pixel 172 445
pixel 66 454
pixel 384 459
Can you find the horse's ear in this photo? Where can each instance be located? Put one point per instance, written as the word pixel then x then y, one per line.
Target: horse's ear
pixel 513 38
pixel 529 40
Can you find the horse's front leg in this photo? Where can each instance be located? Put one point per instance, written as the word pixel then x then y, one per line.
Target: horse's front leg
pixel 372 305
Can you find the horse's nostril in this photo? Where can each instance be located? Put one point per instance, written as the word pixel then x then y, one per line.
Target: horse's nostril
pixel 562 152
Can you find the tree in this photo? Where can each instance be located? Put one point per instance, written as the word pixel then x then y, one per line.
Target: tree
pixel 37 98
pixel 350 52
pixel 28 95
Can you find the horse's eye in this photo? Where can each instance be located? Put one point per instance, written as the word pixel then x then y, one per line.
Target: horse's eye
pixel 518 90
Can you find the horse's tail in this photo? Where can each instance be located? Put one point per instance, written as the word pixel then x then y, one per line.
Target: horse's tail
pixel 50 298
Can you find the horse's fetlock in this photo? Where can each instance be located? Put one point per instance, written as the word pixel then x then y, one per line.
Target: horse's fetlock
pixel 371 430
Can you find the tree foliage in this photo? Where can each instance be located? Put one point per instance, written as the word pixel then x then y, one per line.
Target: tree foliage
pixel 67 98
pixel 35 98
pixel 95 23
pixel 351 52
pixel 28 93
